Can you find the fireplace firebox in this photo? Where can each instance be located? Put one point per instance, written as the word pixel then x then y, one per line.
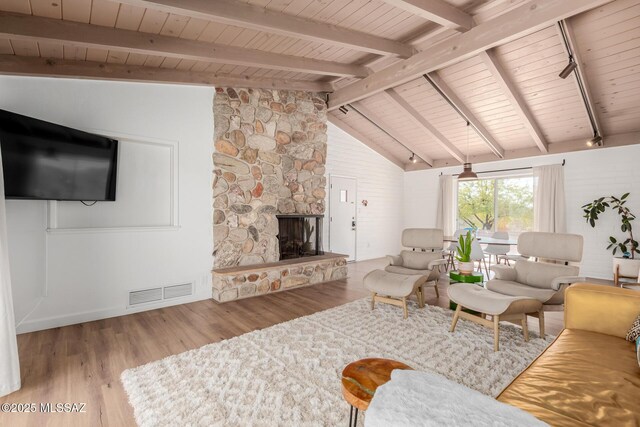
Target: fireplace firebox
pixel 299 236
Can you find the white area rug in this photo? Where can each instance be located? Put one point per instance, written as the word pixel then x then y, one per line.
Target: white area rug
pixel 289 374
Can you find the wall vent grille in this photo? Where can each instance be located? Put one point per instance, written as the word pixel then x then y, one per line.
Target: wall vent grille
pixel 144 296
pixel 159 294
pixel 176 291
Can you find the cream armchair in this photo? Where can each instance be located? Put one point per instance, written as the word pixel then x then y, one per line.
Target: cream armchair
pixel 546 276
pixel 424 258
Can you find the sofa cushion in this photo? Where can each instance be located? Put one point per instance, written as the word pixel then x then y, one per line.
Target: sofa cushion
pixel 556 246
pixel 423 238
pixel 583 378
pixel 508 287
pixel 541 274
pixel 418 260
pixel 634 331
pixel 393 285
pixel 484 301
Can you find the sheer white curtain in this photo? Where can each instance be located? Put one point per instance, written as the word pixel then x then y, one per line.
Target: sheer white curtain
pixel 549 201
pixel 447 204
pixel 9 363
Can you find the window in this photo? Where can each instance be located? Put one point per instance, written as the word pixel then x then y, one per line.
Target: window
pixel 496 204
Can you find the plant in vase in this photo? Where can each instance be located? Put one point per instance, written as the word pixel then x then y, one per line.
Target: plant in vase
pixel 465 265
pixel 627 265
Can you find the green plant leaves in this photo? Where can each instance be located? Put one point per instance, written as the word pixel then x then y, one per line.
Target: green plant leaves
pixel 600 205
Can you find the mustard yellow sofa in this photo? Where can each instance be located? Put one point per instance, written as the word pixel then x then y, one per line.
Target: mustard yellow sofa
pixel 589 376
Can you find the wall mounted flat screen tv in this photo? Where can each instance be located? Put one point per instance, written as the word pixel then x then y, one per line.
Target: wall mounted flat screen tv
pixel 45 161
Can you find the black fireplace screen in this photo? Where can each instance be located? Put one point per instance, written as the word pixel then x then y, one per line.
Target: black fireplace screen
pixel 300 235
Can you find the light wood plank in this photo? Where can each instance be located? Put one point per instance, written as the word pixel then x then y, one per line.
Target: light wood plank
pixel 437 11
pixel 46 8
pixel 253 17
pixel 16 65
pixel 382 123
pixel 421 121
pixel 517 102
pixel 526 19
pixel 76 10
pixel 34 28
pixel 467 114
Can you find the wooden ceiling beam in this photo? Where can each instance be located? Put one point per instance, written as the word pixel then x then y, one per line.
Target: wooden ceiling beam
pixel 363 139
pixel 389 130
pixel 26 27
pixel 515 98
pixel 259 18
pixel 519 22
pixel 437 11
pixel 618 140
pixel 46 67
pixel 395 98
pixel 450 96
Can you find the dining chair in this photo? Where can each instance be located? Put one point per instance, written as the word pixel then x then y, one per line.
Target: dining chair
pixel 497 250
pixel 477 254
pixel 451 250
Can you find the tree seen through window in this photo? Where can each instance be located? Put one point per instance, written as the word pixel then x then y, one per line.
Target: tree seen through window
pixel 500 204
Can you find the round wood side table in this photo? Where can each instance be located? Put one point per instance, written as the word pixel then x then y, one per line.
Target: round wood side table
pixel 361 378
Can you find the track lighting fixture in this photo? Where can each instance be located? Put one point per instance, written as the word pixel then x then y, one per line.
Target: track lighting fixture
pixel 595 141
pixel 343 109
pixel 571 66
pixel 413 158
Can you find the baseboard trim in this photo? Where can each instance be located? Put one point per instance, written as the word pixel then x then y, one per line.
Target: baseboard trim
pixel 34 325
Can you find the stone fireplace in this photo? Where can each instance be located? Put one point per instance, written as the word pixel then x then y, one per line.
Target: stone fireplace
pixel 269 192
pixel 299 236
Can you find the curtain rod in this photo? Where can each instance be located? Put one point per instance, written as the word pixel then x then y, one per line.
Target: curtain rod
pixel 564 161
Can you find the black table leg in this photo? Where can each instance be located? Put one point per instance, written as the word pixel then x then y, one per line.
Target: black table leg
pixel 353 417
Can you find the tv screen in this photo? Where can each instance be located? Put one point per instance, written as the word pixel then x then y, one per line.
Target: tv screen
pixel 45 161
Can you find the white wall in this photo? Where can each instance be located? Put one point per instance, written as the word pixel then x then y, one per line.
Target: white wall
pixel 588 175
pixel 380 182
pixel 75 274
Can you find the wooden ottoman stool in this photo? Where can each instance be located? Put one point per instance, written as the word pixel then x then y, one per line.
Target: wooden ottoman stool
pixel 498 306
pixel 394 288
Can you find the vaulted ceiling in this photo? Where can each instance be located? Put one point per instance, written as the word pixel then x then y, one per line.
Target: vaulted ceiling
pixel 409 74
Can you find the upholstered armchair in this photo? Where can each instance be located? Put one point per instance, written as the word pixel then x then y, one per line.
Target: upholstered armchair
pixel 424 257
pixel 547 272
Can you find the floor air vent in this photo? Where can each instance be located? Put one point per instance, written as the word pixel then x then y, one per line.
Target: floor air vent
pixel 147 295
pixel 178 290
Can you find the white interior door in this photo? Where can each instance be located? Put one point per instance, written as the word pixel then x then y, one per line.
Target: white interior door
pixel 342 216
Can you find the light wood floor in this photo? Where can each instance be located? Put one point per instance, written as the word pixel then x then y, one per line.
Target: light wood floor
pixel 83 363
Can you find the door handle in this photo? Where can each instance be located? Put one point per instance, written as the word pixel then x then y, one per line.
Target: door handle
pixel 353 225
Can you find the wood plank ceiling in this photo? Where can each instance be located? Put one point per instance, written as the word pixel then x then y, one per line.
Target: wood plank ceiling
pixel 389 62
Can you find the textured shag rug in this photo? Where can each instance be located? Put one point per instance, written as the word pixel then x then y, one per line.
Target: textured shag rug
pixel 289 374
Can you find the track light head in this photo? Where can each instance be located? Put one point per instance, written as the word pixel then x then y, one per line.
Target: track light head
pixel 343 109
pixel 595 141
pixel 571 66
pixel 413 158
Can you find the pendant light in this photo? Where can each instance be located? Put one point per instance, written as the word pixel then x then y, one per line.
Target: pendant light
pixel 467 171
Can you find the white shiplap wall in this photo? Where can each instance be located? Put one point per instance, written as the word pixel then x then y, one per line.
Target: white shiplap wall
pixel 380 182
pixel 588 175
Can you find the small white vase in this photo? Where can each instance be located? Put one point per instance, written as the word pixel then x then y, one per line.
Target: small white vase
pixel 465 268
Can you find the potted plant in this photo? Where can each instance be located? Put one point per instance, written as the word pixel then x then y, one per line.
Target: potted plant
pixel 626 265
pixel 465 265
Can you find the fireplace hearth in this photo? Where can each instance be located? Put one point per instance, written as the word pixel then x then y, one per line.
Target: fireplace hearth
pixel 299 236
